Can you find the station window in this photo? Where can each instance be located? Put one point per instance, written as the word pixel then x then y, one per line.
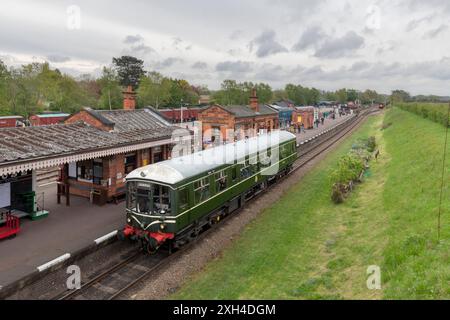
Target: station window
pixel 201 190
pixel 221 181
pixel 85 170
pixel 130 162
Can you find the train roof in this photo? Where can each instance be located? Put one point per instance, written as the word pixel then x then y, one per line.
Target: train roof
pixel 182 168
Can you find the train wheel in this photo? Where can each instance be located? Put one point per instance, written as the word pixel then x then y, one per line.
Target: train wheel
pixel 151 246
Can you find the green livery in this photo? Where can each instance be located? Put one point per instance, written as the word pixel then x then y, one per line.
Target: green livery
pixel 182 195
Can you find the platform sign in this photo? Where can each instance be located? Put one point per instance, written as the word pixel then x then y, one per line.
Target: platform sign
pixel 5 195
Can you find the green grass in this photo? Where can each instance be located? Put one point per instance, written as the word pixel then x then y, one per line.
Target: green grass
pixel 305 247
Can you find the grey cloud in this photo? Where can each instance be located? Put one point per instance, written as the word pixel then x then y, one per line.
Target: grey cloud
pixel 57 58
pixel 234 67
pixel 415 23
pixel 270 72
pixel 435 32
pixel 200 65
pixel 236 34
pixel 310 38
pixel 130 39
pixel 167 63
pixel 338 47
pixel 142 49
pixel 267 45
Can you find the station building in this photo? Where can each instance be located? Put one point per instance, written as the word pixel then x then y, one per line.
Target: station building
pixel 242 121
pixel 94 151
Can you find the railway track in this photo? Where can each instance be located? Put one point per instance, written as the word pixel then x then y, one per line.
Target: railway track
pixel 113 282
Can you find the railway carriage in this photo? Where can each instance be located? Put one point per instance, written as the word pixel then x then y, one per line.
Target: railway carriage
pixel 174 200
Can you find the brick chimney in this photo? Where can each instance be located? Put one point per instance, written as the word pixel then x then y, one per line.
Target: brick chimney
pixel 129 99
pixel 254 104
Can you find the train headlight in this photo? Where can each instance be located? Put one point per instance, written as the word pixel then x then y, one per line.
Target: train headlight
pixel 129 220
pixel 162 226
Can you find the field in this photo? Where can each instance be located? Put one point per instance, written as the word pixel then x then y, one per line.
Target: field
pixel 306 247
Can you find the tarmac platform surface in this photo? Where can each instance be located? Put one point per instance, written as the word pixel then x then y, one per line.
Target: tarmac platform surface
pixel 69 229
pixel 65 230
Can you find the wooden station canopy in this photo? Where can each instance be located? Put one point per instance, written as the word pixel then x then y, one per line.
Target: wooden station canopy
pixel 31 148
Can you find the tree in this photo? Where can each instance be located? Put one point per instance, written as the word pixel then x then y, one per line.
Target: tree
pixel 352 95
pixel 4 78
pixel 111 93
pixel 129 70
pixel 154 90
pixel 400 96
pixel 370 96
pixel 341 96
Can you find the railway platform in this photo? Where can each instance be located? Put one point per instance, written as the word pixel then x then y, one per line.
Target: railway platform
pixel 65 230
pixel 328 124
pixel 70 229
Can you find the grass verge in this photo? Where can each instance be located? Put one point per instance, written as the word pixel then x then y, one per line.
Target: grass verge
pixel 305 247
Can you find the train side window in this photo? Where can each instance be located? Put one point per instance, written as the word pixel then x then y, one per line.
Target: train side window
pixel 221 181
pixel 201 190
pixel 234 174
pixel 183 199
pixel 245 172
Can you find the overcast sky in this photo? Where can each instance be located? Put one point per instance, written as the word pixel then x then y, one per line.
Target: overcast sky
pixel 329 44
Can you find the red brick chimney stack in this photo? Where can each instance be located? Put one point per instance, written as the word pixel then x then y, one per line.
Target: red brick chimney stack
pixel 254 103
pixel 129 99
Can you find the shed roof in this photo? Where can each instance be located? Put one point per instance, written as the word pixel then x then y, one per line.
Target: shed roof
pixel 241 111
pixel 130 120
pixel 182 168
pixel 53 115
pixel 10 117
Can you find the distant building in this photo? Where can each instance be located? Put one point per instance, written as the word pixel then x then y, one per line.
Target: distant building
pixel 48 119
pixel 178 115
pixel 204 99
pixel 11 121
pixel 230 123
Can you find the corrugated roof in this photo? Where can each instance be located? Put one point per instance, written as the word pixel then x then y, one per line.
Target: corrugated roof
pixel 35 142
pixel 130 120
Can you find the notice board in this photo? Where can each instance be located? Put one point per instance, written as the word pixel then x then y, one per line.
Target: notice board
pixel 5 195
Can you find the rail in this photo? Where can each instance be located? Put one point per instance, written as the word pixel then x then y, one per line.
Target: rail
pixel 118 279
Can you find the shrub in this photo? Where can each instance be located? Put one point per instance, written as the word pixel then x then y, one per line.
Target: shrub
pixel 350 166
pixel 371 144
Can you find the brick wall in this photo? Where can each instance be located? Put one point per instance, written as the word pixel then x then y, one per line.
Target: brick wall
pixel 89 119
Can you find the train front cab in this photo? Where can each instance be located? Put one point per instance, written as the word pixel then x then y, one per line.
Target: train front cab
pixel 147 206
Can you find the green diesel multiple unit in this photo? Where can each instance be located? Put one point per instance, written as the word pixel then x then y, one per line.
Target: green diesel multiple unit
pixel 172 201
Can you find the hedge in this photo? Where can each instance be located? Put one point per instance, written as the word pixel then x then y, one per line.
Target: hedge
pixel 437 112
